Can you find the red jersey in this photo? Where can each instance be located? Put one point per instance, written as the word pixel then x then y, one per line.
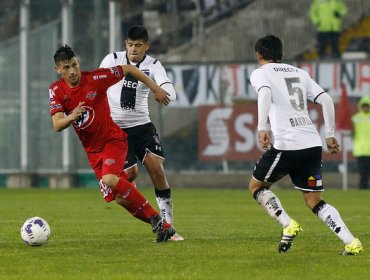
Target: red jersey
pixel 95 127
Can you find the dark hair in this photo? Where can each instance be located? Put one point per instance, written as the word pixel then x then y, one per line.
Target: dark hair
pixel 64 53
pixel 138 32
pixel 270 47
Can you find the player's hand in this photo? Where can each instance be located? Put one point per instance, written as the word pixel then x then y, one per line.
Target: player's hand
pixel 77 112
pixel 333 145
pixel 161 96
pixel 264 139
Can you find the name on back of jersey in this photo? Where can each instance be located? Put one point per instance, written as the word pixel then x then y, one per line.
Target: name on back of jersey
pixel 300 121
pixel 285 69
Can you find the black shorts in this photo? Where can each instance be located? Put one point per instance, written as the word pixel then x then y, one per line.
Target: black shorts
pixel 141 139
pixel 303 167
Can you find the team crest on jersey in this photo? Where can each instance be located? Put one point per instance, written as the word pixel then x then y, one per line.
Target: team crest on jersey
pixel 146 72
pixel 115 71
pixel 91 95
pixel 85 119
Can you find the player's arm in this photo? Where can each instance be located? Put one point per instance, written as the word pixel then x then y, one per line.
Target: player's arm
pixel 327 105
pixel 60 121
pixel 159 93
pixel 264 105
pixel 160 77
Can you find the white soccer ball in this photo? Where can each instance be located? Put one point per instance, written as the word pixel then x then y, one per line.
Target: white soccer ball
pixel 35 231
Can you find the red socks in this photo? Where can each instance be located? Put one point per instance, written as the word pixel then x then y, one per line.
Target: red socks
pixel 138 206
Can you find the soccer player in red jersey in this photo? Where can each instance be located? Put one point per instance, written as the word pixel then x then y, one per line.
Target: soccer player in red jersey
pixel 79 98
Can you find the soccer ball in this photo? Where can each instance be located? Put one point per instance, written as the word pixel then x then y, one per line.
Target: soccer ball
pixel 35 231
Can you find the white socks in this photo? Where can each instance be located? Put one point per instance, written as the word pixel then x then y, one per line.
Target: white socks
pixel 331 217
pixel 271 203
pixel 166 208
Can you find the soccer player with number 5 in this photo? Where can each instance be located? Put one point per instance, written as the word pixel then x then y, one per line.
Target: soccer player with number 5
pixel 283 91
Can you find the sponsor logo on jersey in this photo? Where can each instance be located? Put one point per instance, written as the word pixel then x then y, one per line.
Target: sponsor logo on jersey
pixel 85 119
pixel 96 77
pixel 285 69
pixel 91 95
pixel 109 161
pixel 130 84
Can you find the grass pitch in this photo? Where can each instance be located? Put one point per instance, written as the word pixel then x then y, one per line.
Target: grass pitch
pixel 228 236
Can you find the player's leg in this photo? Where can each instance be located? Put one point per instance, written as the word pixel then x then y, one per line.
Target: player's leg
pixel 155 169
pixel 271 167
pixel 150 153
pixel 308 179
pixel 331 217
pixel 126 194
pixel 130 168
pixel 269 201
pixel 129 197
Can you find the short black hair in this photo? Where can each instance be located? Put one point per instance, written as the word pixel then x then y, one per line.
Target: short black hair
pixel 64 53
pixel 138 32
pixel 270 47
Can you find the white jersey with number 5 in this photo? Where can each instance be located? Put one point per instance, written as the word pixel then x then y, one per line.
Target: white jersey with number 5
pixel 291 87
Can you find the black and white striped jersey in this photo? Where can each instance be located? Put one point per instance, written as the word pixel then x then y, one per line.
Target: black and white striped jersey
pixel 128 99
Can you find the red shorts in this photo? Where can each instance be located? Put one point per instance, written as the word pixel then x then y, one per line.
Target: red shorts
pixel 109 161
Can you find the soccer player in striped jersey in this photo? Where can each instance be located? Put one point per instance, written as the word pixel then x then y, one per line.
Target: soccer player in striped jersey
pixel 283 91
pixel 128 102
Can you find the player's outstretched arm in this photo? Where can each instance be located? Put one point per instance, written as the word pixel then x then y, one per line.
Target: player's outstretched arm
pixel 160 94
pixel 60 121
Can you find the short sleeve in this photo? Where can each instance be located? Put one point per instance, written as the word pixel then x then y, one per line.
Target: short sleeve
pixel 55 104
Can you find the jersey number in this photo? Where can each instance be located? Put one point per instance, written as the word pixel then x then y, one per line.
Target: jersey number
pixel 295 93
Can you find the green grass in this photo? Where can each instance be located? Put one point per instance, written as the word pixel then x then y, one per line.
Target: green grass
pixel 228 236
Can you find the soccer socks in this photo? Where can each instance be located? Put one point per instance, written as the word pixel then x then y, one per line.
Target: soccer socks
pixel 138 206
pixel 331 217
pixel 165 205
pixel 271 203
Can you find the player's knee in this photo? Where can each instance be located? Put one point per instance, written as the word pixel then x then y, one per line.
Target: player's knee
pixel 132 174
pixel 254 185
pixel 110 180
pixel 312 199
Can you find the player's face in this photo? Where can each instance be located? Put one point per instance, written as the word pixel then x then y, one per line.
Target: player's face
pixel 70 71
pixel 136 49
